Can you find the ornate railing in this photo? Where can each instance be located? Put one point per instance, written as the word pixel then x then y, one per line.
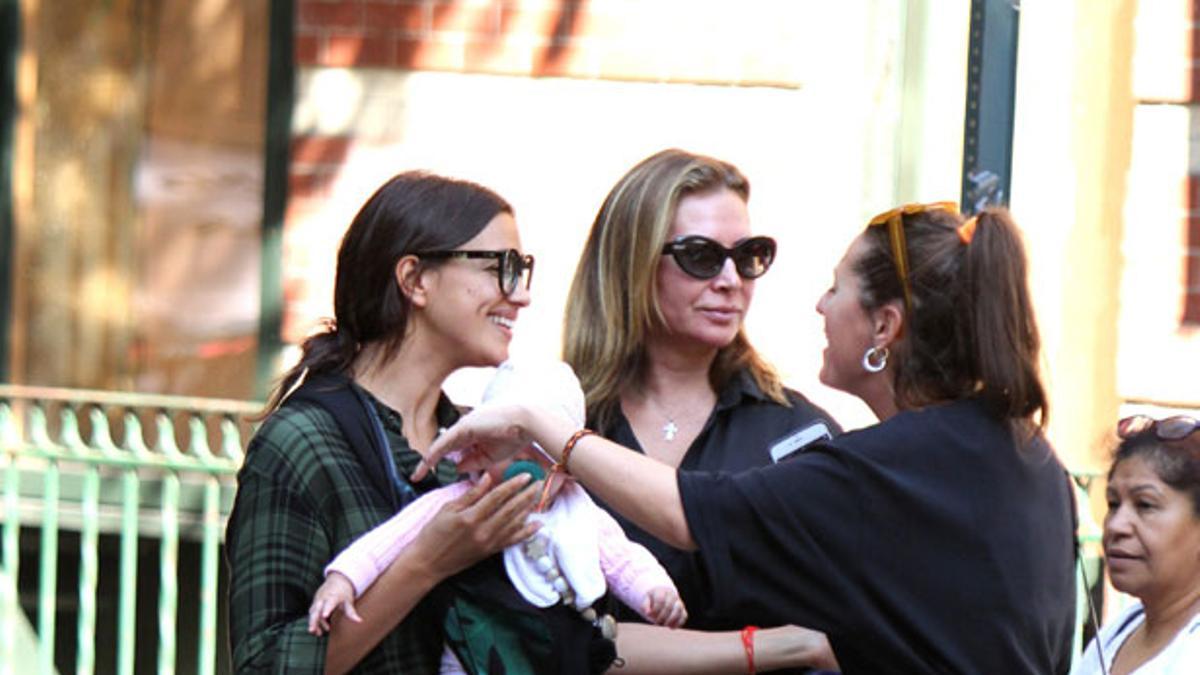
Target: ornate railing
pixel 125 467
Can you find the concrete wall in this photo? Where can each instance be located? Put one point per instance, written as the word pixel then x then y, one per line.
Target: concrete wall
pixel 835 110
pixel 820 104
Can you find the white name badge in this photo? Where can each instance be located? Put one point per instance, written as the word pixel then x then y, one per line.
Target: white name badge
pixel 797 440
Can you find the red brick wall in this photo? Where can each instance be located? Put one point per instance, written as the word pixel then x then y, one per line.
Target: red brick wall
pixel 1167 74
pixel 693 41
pixel 1191 306
pixel 676 41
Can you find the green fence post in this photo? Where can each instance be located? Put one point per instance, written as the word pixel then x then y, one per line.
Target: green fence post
pixel 39 435
pixel 89 567
pixel 10 607
pixel 168 589
pixel 209 560
pixel 209 579
pixel 127 607
pixel 48 577
pixel 89 537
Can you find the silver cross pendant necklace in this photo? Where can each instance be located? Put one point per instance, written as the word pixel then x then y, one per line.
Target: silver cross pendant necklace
pixel 669 429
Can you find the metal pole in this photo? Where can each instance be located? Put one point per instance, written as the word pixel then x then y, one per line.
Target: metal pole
pixel 991 89
pixel 10 45
pixel 281 93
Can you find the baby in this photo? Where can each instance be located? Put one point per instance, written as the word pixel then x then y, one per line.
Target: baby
pixel 578 552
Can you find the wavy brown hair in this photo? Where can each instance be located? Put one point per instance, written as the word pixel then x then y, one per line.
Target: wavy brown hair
pixel 612 305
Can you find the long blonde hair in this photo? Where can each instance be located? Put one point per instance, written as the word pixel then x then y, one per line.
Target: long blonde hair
pixel 613 302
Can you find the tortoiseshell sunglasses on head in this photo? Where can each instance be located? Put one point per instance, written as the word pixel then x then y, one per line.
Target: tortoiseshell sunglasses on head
pixel 894 221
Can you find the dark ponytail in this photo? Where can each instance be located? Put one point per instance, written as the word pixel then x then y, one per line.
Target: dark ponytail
pixel 414 211
pixel 1000 327
pixel 971 330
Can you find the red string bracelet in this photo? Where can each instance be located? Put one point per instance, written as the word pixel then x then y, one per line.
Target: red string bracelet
pixel 561 466
pixel 748 644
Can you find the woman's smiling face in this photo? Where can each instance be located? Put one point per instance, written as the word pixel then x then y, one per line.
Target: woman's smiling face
pixel 470 315
pixel 848 327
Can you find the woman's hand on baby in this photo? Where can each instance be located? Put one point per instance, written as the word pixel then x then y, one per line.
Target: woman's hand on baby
pixel 486 435
pixel 483 521
pixel 337 593
pixel 664 607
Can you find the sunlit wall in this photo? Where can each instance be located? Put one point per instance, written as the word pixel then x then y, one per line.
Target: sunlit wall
pixel 861 107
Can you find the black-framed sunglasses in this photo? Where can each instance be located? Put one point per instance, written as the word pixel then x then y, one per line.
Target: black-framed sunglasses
pixel 511 265
pixel 703 258
pixel 1174 428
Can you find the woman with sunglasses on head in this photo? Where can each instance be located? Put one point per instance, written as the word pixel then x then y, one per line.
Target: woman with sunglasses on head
pixel 1152 549
pixel 429 279
pixel 654 328
pixel 940 539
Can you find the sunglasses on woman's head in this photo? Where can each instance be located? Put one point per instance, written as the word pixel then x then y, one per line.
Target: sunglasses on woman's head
pixel 511 266
pixel 703 258
pixel 1174 428
pixel 894 222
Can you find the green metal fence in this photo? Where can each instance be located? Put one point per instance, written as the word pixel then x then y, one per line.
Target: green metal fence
pixel 128 468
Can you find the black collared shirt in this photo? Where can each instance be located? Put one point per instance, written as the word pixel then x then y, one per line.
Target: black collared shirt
pixel 938 541
pixel 738 435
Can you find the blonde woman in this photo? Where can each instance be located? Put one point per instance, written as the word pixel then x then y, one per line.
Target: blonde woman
pixel 654 329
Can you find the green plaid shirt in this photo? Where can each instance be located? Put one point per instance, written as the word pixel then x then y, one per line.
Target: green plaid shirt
pixel 302 497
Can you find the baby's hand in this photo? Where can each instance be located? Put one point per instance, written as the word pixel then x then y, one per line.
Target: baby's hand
pixel 336 593
pixel 664 607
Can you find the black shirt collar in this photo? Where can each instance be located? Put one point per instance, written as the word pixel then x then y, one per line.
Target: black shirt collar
pixel 740 386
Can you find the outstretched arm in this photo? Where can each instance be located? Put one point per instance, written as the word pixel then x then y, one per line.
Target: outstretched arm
pixel 640 488
pixel 654 649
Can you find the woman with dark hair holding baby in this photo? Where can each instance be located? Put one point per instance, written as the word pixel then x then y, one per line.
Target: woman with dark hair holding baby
pixel 430 278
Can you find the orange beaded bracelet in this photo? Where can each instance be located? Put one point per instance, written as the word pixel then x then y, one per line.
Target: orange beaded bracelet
pixel 560 466
pixel 570 446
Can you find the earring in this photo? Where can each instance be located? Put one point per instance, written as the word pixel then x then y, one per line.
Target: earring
pixel 875 359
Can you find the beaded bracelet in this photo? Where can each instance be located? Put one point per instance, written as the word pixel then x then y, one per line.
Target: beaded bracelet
pixel 748 644
pixel 570 446
pixel 560 466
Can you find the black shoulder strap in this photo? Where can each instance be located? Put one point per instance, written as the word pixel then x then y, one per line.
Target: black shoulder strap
pixel 359 424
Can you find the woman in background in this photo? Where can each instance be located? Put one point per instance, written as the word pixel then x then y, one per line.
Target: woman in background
pixel 1152 550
